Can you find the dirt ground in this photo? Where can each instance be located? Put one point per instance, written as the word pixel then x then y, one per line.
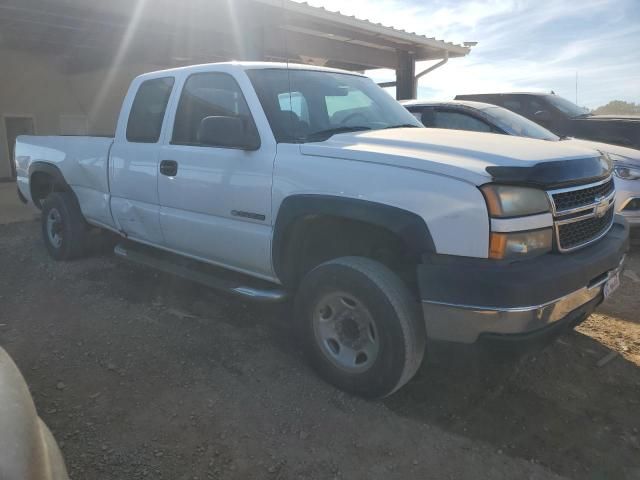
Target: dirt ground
pixel 141 375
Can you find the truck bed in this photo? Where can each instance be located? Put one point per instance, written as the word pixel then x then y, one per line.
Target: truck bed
pixel 82 160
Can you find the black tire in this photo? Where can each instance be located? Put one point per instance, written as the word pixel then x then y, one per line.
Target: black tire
pixel 72 229
pixel 399 327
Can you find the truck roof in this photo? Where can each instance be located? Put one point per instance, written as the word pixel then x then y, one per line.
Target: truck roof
pixel 247 66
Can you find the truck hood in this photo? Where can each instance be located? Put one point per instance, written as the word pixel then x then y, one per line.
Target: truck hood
pixel 468 156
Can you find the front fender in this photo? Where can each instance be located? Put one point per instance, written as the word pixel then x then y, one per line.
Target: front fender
pixel 406 225
pixel 452 210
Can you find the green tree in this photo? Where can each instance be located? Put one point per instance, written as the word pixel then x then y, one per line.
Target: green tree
pixel 618 107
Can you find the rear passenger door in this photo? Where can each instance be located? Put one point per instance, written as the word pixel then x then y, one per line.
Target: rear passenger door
pixel 216 204
pixel 133 161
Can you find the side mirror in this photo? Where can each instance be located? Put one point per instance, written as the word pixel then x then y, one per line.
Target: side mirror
pixel 229 132
pixel 542 116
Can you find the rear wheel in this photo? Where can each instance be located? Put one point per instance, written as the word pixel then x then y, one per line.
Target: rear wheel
pixel 64 229
pixel 360 326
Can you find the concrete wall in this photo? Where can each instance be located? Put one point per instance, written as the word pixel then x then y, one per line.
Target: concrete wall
pixel 37 85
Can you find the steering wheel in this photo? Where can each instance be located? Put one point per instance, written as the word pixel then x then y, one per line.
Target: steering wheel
pixel 346 119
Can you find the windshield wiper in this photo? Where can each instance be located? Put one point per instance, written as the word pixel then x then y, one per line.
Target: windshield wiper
pixel 402 125
pixel 329 132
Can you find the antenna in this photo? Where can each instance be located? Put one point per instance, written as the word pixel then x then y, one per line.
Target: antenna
pixel 576 87
pixel 286 43
pixel 286 56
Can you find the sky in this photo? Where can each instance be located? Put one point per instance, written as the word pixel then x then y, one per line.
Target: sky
pixel 532 45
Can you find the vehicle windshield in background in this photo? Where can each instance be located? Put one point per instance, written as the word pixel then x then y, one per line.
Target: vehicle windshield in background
pixel 570 108
pixel 311 106
pixel 515 124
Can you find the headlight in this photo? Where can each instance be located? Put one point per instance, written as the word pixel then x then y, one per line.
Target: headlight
pixel 506 202
pixel 626 172
pixel 509 201
pixel 518 244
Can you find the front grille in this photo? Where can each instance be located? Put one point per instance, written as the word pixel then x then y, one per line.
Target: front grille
pixel 582 214
pixel 574 234
pixel 568 200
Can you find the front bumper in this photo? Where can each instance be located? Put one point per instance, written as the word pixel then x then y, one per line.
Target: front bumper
pixel 464 298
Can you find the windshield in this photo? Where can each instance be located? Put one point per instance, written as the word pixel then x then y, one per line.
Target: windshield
pixel 311 106
pixel 515 124
pixel 565 106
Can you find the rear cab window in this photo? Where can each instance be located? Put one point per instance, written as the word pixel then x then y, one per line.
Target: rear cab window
pixel 148 110
pixel 296 103
pixel 355 102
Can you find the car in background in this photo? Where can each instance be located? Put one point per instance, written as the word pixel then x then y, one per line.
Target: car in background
pixel 28 450
pixel 566 119
pixel 483 117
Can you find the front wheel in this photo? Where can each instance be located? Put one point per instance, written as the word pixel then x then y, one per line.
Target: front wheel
pixel 360 326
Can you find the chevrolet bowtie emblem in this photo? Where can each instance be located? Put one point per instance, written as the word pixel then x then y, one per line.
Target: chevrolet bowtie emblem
pixel 601 208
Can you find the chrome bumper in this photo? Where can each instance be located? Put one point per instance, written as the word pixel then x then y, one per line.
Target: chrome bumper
pixel 465 323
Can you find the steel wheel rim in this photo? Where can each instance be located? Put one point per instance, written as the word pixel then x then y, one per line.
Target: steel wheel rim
pixel 54 227
pixel 346 332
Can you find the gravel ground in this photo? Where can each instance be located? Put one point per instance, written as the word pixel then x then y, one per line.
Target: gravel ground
pixel 141 375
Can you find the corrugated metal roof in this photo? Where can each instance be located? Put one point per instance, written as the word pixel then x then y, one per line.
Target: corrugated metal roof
pixel 376 28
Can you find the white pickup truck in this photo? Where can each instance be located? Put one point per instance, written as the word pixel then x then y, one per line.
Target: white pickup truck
pixel 315 184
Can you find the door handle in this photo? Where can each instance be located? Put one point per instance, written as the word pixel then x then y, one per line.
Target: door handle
pixel 169 168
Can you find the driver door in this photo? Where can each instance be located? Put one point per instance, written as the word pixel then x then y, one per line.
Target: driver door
pixel 215 202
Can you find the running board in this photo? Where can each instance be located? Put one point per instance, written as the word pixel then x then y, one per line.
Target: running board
pixel 204 274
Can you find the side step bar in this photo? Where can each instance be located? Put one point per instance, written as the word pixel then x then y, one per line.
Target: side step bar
pixel 210 276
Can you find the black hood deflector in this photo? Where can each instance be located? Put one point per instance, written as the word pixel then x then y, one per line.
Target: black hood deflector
pixel 558 174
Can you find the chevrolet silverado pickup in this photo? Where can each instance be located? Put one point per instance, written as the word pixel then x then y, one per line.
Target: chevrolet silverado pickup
pixel 275 181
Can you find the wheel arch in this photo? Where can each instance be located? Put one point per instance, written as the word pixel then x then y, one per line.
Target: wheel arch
pixel 45 178
pixel 296 209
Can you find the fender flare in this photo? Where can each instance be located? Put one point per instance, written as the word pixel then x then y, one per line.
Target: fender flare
pixel 51 170
pixel 410 227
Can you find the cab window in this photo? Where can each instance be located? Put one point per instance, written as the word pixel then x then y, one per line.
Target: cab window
pixel 513 105
pixel 148 109
pixel 296 103
pixel 208 95
pixel 342 106
pixel 459 121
